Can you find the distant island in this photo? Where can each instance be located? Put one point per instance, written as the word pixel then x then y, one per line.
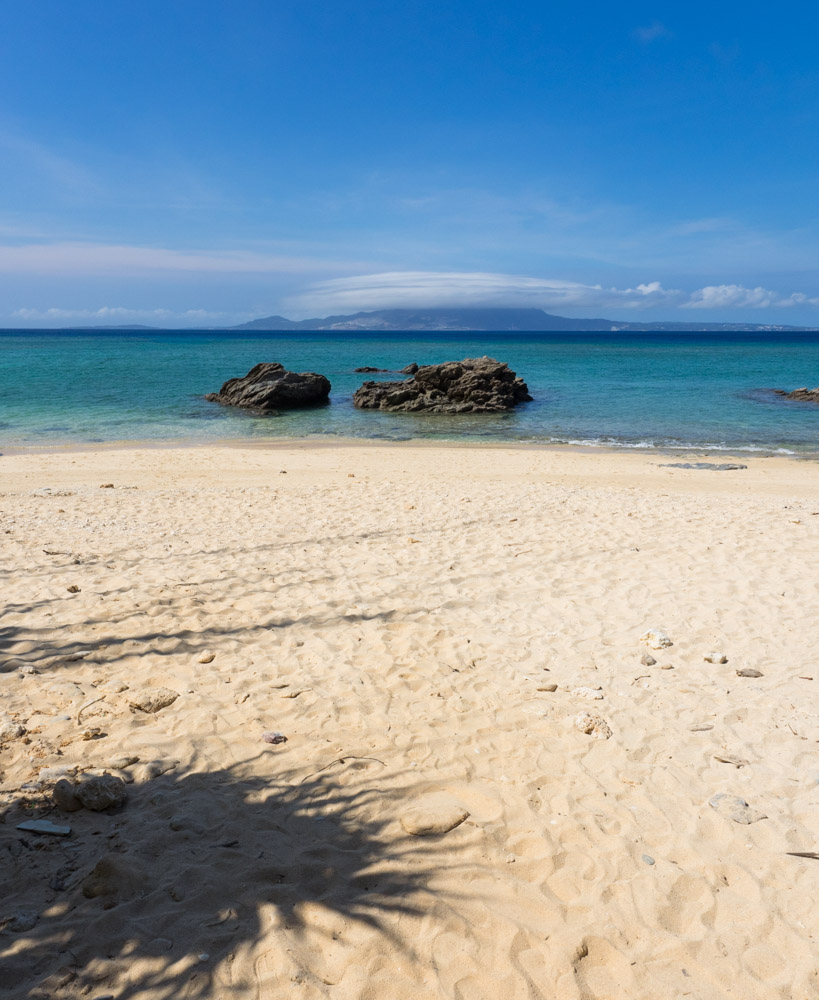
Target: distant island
pixel 498 321
pixel 484 320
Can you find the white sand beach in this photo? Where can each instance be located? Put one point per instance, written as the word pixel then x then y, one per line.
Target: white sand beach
pixel 424 625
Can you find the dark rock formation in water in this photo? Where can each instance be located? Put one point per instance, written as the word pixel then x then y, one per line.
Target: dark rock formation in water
pixel 269 387
pixel 804 395
pixel 369 368
pixel 474 385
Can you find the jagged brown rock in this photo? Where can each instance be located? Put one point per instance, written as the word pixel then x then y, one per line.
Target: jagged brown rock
pixel 269 387
pixel 474 385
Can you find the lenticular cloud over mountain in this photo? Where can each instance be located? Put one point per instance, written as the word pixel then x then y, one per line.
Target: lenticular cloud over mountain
pixel 428 289
pixel 432 289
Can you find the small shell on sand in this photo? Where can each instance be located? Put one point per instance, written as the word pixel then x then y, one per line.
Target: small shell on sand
pixel 655 638
pixel 591 693
pixel 715 658
pixel 274 738
pixel 592 725
pixel 206 656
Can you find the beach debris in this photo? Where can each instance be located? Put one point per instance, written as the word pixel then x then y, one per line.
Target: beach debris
pixel 295 693
pixel 591 693
pixel 206 656
pixel 156 768
pixel 667 666
pixel 656 638
pixel 730 758
pixel 103 791
pixel 715 658
pixel 124 760
pixel 10 730
pixel 106 486
pixel 592 725
pixel 44 826
pixel 432 815
pixel 749 672
pixel 735 808
pixel 548 687
pixel 813 855
pixel 113 687
pixel 153 700
pixel 274 738
pixel 73 589
pixel 114 879
pixel 65 797
pixel 20 922
pixel 648 859
pixel 713 466
pixel 647 660
pixel 700 727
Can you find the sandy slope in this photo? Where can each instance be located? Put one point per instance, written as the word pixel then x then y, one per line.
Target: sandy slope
pixel 396 612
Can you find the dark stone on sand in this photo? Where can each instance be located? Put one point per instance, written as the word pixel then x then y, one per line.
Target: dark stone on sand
pixel 269 387
pixel 474 385
pixel 803 395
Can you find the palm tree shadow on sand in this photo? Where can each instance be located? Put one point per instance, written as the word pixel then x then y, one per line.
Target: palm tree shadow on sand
pixel 217 882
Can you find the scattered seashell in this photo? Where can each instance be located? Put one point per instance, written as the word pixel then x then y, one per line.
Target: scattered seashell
pixel 548 687
pixel 648 859
pixel 715 658
pixel 735 808
pixel 73 589
pixel 749 672
pixel 655 638
pixel 206 656
pixel 591 693
pixel 729 758
pixel 647 660
pixel 592 725
pixel 701 727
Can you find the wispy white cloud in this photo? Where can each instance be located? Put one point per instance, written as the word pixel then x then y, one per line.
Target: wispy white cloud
pixel 651 32
pixel 738 297
pixel 101 259
pixel 123 314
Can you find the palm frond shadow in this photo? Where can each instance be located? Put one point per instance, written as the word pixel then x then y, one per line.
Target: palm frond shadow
pixel 210 863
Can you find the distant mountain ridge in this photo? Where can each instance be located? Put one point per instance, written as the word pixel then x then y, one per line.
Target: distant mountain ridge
pixel 497 321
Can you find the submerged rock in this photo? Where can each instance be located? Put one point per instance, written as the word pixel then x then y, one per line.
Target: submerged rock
pixel 474 385
pixel 803 395
pixel 269 387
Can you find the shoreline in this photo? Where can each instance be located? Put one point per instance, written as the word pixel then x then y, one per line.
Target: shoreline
pixel 319 443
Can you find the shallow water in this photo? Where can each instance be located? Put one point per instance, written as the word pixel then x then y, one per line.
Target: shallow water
pixel 701 391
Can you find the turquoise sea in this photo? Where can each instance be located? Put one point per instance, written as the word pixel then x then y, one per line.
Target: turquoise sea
pixel 709 392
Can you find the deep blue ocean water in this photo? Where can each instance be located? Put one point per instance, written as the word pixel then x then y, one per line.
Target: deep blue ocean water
pixel 702 391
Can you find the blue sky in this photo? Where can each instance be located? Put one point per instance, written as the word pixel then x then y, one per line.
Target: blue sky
pixel 193 162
